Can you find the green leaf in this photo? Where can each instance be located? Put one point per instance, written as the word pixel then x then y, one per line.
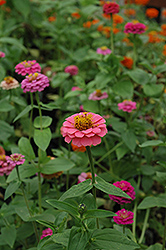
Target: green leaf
pixel 45 121
pixel 121 151
pixel 91 106
pixel 26 149
pixel 77 240
pixel 9 235
pixel 58 79
pixel 13 186
pixel 77 190
pixel 5 106
pixel 97 213
pixel 13 41
pixel 156 246
pixel 160 69
pixel 57 165
pixel 124 89
pixel 108 188
pixel 23 213
pixel 72 94
pixel 80 82
pixel 153 89
pixel 149 202
pixel 42 138
pixel 152 143
pixel 23 7
pixel 24 112
pixel 6 130
pixel 61 238
pixel 47 224
pixel 2 73
pixel 129 139
pixel 64 206
pixel 139 76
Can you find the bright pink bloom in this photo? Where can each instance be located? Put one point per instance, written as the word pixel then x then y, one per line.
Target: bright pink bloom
pixel 127 106
pixel 5 166
pixel 16 159
pixel 103 50
pixel 9 83
pixel 124 217
pixel 35 82
pixel 84 129
pixel 27 67
pixel 84 176
pixel 98 95
pixel 72 70
pixel 135 28
pixel 126 187
pixel 2 54
pixel 150 133
pixel 46 232
pixel 111 8
pixel 75 88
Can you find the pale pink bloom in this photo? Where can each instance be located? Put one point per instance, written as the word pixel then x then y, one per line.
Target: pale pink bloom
pixel 2 54
pixel 98 95
pixel 16 159
pixel 111 8
pixel 150 133
pixel 84 176
pixel 5 166
pixel 84 129
pixel 135 28
pixel 34 82
pixel 72 70
pixel 76 88
pixel 126 187
pixel 103 50
pixel 9 83
pixel 124 217
pixel 127 106
pixel 27 67
pixel 46 232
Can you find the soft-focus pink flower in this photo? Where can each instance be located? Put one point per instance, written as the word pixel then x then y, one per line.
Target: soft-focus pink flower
pixel 76 88
pixel 84 129
pixel 98 95
pixel 34 82
pixel 16 159
pixel 84 176
pixel 46 232
pixel 5 166
pixel 103 50
pixel 124 217
pixel 111 8
pixel 127 106
pixel 72 70
pixel 27 67
pixel 9 83
pixel 126 187
pixel 135 28
pixel 2 54
pixel 150 133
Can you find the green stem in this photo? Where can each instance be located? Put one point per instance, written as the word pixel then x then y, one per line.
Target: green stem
pixel 144 226
pixel 67 176
pixel 123 229
pixel 109 156
pixel 135 53
pixel 31 116
pixel 40 112
pixel 39 192
pixel 112 35
pixel 163 247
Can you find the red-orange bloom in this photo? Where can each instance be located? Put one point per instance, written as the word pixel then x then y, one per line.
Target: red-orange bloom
pixel 2 2
pixel 117 19
pixel 106 31
pixel 87 24
pixel 51 18
pixel 142 2
pixel 152 13
pixel 78 149
pixel 153 37
pixel 106 16
pixel 116 30
pixel 164 13
pixel 94 21
pixel 100 28
pixel 127 62
pixel 129 12
pixel 102 2
pixel 76 15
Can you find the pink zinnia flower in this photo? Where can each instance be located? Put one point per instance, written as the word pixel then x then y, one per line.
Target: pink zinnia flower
pixel 16 159
pixel 9 83
pixel 126 187
pixel 124 217
pixel 5 166
pixel 84 176
pixel 98 95
pixel 127 106
pixel 35 82
pixel 27 67
pixel 84 129
pixel 150 133
pixel 72 70
pixel 76 88
pixel 135 28
pixel 46 232
pixel 103 50
pixel 111 8
pixel 2 54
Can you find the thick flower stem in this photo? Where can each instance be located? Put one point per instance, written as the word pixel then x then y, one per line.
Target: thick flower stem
pixel 135 209
pixel 144 226
pixel 112 35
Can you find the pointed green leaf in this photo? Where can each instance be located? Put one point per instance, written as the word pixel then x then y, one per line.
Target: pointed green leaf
pixel 26 149
pixel 77 239
pixel 149 202
pixel 129 139
pixel 98 213
pixel 13 186
pixel 152 143
pixel 153 90
pixel 42 138
pixel 9 235
pixel 139 76
pixel 23 7
pixel 24 112
pixel 6 130
pixel 13 41
pixel 5 106
pixel 61 238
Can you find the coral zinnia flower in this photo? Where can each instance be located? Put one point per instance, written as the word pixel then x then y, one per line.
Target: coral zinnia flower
pixel 127 106
pixel 72 70
pixel 84 129
pixel 124 217
pixel 152 13
pixel 111 8
pixel 103 50
pixel 78 149
pixel 51 18
pixel 130 12
pixel 127 62
pixel 87 24
pixel 76 15
pixel 135 28
pixel 153 37
pixel 142 2
pixel 98 95
pixel 9 83
pixel 35 82
pixel 27 67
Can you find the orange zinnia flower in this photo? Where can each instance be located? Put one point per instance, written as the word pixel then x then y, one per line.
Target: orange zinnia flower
pixel 94 21
pixel 164 13
pixel 115 30
pixel 107 16
pixel 163 26
pixel 100 28
pixel 78 149
pixel 142 2
pixel 2 2
pixel 51 18
pixel 152 13
pixel 130 12
pixel 117 19
pixel 127 62
pixel 87 24
pixel 76 15
pixel 153 37
pixel 106 31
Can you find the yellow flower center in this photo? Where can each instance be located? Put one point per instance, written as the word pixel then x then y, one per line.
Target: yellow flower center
pixel 2 158
pixel 135 21
pixel 89 175
pixel 32 77
pixel 26 64
pixel 124 215
pixel 8 79
pixel 103 48
pixel 83 121
pixel 98 93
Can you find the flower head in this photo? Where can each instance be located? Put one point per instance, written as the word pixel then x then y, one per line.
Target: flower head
pixel 127 62
pixel 142 2
pixel 84 176
pixel 46 232
pixel 135 28
pixel 129 12
pixel 51 19
pixel 5 166
pixel 152 12
pixel 127 106
pixel 98 95
pixel 126 187
pixel 27 67
pixel 111 8
pixel 84 129
pixel 87 24
pixel 72 70
pixel 34 82
pixel 78 149
pixel 2 2
pixel 76 15
pixel 16 159
pixel 9 83
pixel 117 19
pixel 103 50
pixel 150 133
pixel 124 217
pixel 2 54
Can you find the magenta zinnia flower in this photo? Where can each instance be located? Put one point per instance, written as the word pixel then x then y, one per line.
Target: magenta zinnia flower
pixel 72 70
pixel 103 50
pixel 124 217
pixel 27 67
pixel 126 187
pixel 46 232
pixel 5 166
pixel 9 83
pixel 2 54
pixel 98 95
pixel 135 28
pixel 111 8
pixel 84 129
pixel 16 159
pixel 76 88
pixel 84 176
pixel 127 106
pixel 35 82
